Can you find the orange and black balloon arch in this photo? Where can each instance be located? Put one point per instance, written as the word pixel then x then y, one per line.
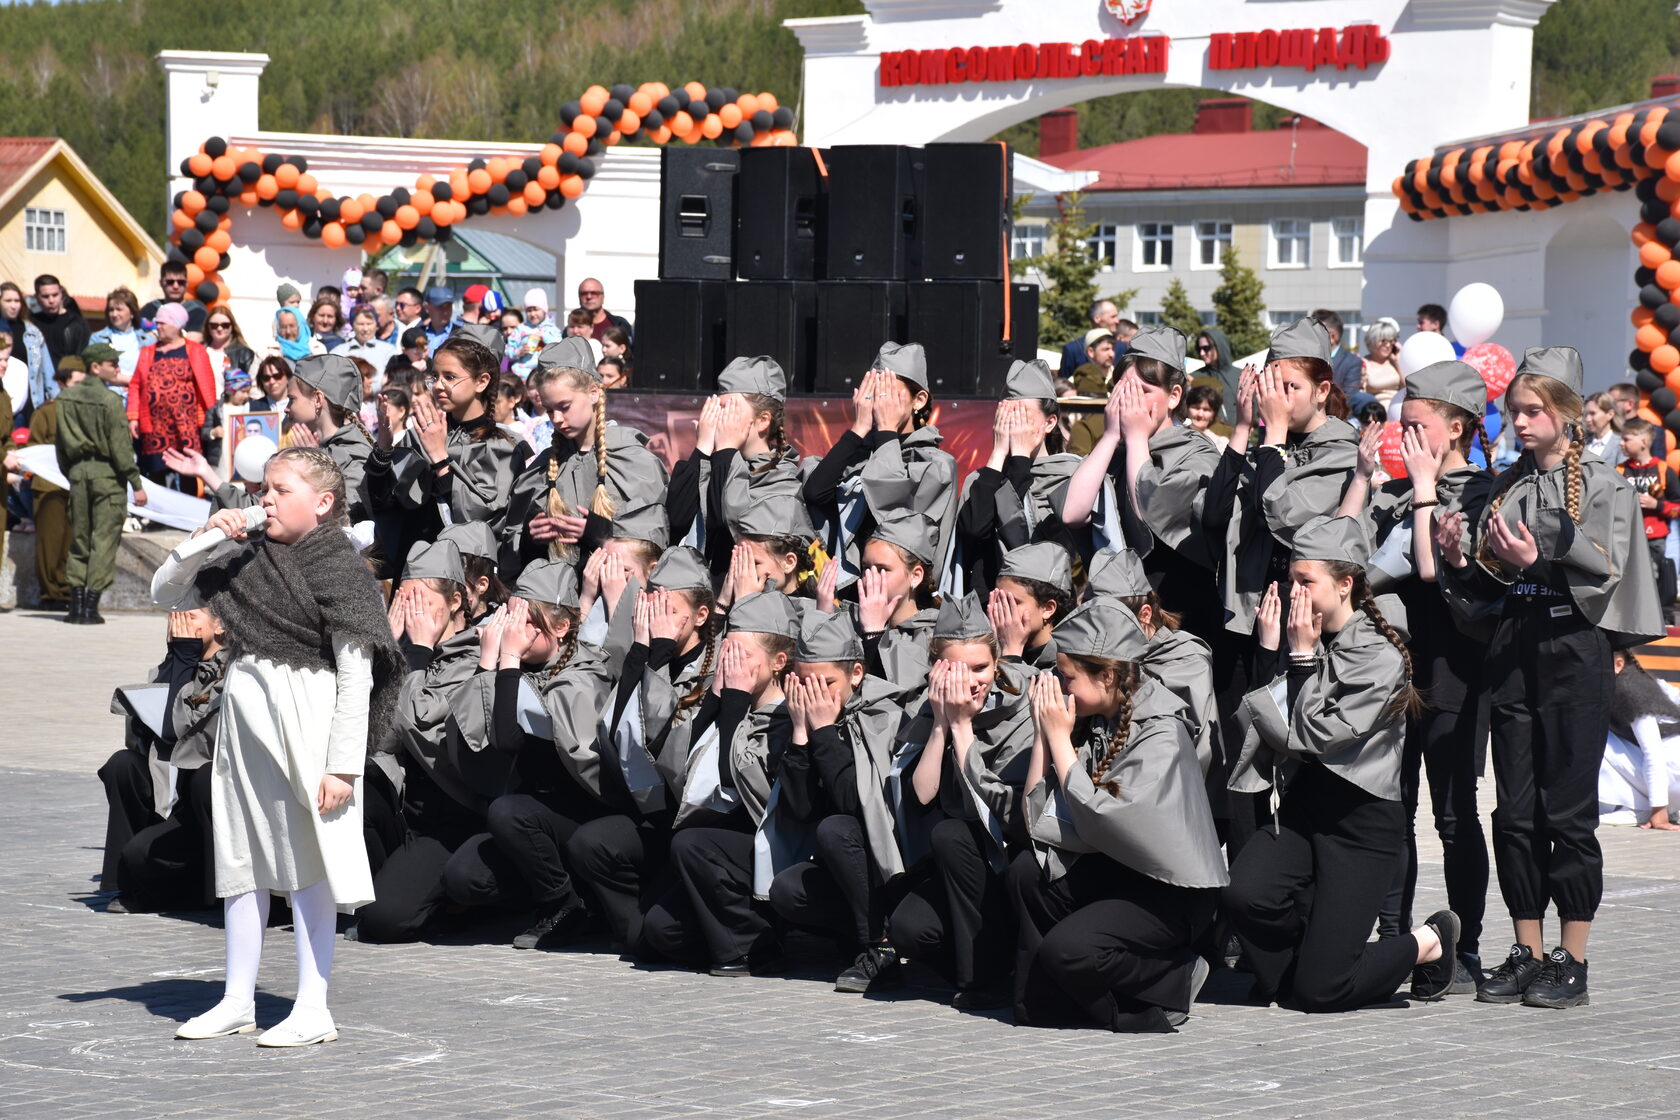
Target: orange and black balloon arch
pixel 224 176
pixel 1635 150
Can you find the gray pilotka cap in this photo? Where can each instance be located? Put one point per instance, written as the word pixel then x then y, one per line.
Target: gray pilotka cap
pixel 1453 383
pixel 1339 540
pixel 1118 571
pixel 1042 562
pixel 438 560
pixel 829 637
pixel 642 523
pixel 680 569
pixel 907 360
pixel 962 619
pixel 571 352
pixel 553 582
pixel 484 334
pixel 335 376
pixel 1029 381
pixel 1560 363
pixel 912 531
pixel 761 376
pixel 1304 338
pixel 1102 628
pixel 780 515
pixel 765 612
pixel 473 538
pixel 1164 344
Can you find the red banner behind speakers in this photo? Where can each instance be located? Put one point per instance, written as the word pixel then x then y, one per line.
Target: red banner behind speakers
pixel 813 424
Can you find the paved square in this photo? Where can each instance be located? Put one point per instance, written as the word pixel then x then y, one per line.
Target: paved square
pixel 89 1001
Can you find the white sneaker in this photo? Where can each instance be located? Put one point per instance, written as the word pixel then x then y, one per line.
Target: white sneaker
pixel 305 1026
pixel 223 1019
pixel 1618 816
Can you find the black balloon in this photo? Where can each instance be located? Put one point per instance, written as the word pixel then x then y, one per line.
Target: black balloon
pixel 1638 359
pixel 532 166
pixel 402 196
pixel 175 255
pixel 653 119
pixel 300 163
pixel 223 262
pixel 744 132
pixel 330 209
pixel 409 237
pixel 207 292
pixel 206 220
pixel 1646 189
pixel 669 104
pixel 208 187
pixel 1668 136
pixel 1664 401
pixel 498 194
pixel 250 171
pixel 186 167
pixel 215 147
pixel 478 205
pixel 516 180
pixel 355 234
pixel 308 205
pixel 698 110
pixel 1668 316
pixel 271 162
pixel 1654 211
pixel 1648 379
pixel 286 199
pixel 1668 231
pixel 569 112
pixel 477 165
pixel 623 91
pixel 613 109
pixel 1672 421
pixel 1652 296
pixel 372 222
pixel 312 227
pixel 175 203
pixel 1643 276
pixel 568 163
pixel 762 121
pixel 387 208
pixel 191 239
pixel 445 234
pixel 426 229
pixel 442 191
pixel 586 168
pixel 717 99
pixel 555 200
pixel 596 146
pixel 730 93
pixel 783 116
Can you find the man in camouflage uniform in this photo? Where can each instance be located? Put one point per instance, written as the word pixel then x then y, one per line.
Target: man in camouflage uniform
pixel 96 454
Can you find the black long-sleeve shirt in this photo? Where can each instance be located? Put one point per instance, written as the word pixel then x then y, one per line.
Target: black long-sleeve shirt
pixel 819 779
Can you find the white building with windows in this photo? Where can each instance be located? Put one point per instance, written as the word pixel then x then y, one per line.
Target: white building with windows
pixel 1291 201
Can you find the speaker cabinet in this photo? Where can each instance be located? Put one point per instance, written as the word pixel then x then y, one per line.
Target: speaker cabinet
pixel 853 320
pixel 697 213
pixel 680 334
pixel 777 318
pixel 875 212
pixel 966 221
pixel 782 215
pixel 960 324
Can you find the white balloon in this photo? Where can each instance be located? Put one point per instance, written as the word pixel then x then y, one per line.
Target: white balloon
pixel 1475 314
pixel 251 456
pixel 1424 348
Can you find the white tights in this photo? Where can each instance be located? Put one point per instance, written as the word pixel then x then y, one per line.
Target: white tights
pixel 245 916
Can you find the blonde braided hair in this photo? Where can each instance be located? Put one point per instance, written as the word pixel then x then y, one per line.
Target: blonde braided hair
pixel 1564 404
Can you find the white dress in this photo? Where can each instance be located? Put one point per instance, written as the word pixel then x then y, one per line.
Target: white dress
pixel 282 729
pixel 1642 776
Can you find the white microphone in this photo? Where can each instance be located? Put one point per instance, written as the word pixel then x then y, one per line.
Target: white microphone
pixel 255 517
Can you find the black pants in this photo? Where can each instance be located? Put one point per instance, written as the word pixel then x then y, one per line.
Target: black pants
pixel 1447 746
pixel 521 858
pixel 383 828
pixel 170 865
pixel 702 912
pixel 955 916
pixel 1553 687
pixel 1237 815
pixel 129 808
pixel 1303 896
pixel 409 888
pixel 616 858
pixel 1103 945
pixel 836 894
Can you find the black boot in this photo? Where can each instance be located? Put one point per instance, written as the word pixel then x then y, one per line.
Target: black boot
pixel 1508 982
pixel 78 606
pixel 1562 982
pixel 90 608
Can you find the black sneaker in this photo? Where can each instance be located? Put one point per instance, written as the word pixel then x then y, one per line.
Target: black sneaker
pixel 1434 980
pixel 1562 982
pixel 1508 982
pixel 875 969
pixel 1199 971
pixel 554 929
pixel 988 997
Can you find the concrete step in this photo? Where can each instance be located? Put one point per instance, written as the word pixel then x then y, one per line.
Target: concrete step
pixel 137 558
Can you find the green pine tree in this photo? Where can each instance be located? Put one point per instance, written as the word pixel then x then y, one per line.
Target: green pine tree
pixel 1177 311
pixel 1068 269
pixel 1238 304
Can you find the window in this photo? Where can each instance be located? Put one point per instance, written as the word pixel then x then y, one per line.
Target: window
pixel 1291 243
pixel 1284 318
pixel 43 231
pixel 1353 330
pixel 1154 245
pixel 1105 247
pixel 1027 241
pixel 1147 318
pixel 1208 318
pixel 1349 235
pixel 1212 239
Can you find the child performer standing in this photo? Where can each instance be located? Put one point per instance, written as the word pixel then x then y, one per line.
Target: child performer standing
pixel 1563 552
pixel 310 683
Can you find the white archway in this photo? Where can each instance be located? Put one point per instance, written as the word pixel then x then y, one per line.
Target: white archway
pixel 1585 259
pixel 1454 68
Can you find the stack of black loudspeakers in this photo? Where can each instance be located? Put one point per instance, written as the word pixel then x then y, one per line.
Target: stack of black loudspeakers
pixel 817 256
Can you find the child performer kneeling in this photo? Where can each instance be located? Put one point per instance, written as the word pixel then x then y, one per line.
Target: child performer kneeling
pixel 312 678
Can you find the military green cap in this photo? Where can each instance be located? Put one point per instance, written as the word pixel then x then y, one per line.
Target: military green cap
pixel 911 531
pixel 100 352
pixel 1560 363
pixel 484 334
pixel 473 538
pixel 1451 383
pixel 1164 344
pixel 642 523
pixel 780 515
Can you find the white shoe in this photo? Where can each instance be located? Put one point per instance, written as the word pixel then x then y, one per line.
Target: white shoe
pixel 305 1026
pixel 1618 816
pixel 223 1019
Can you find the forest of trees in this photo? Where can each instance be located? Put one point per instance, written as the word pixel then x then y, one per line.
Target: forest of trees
pixel 84 69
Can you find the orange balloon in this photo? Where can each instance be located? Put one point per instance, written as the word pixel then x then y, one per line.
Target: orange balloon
pixel 639 104
pixel 729 115
pixel 681 123
pixel 367 200
pixel 458 182
pixel 267 188
pixel 221 241
pixel 407 217
pixel 1674 460
pixel 575 143
pixel 351 211
pixel 422 201
pixel 248 199
pixel 287 175
pixel 1664 359
pixel 192 202
pixel 391 233
pixel 696 91
pixel 200 165
pixel 1654 253
pixel 785 138
pixel 292 220
pixel 628 122
pixel 548 177
pixel 748 103
pixel 693 135
pixel 1646 412
pixel 1673 380
pixel 584 127
pixel 768 102
pixel 594 99
pixel 661 135
pixel 517 205
pixel 195 275
pixel 712 127
pixel 180 219
pixel 1643 232
pixel 571 185
pixel 308 184
pixel 479 181
pixel 1668 275
pixel 550 154
pixel 498 168
pixel 760 140
pixel 206 258
pixel 425 183
pixel 1649 337
pixel 1642 315
pixel 535 194
pixel 611 138
pixel 223 168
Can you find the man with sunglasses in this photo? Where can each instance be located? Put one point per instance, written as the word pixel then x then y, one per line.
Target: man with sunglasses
pixel 590 296
pixel 172 277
